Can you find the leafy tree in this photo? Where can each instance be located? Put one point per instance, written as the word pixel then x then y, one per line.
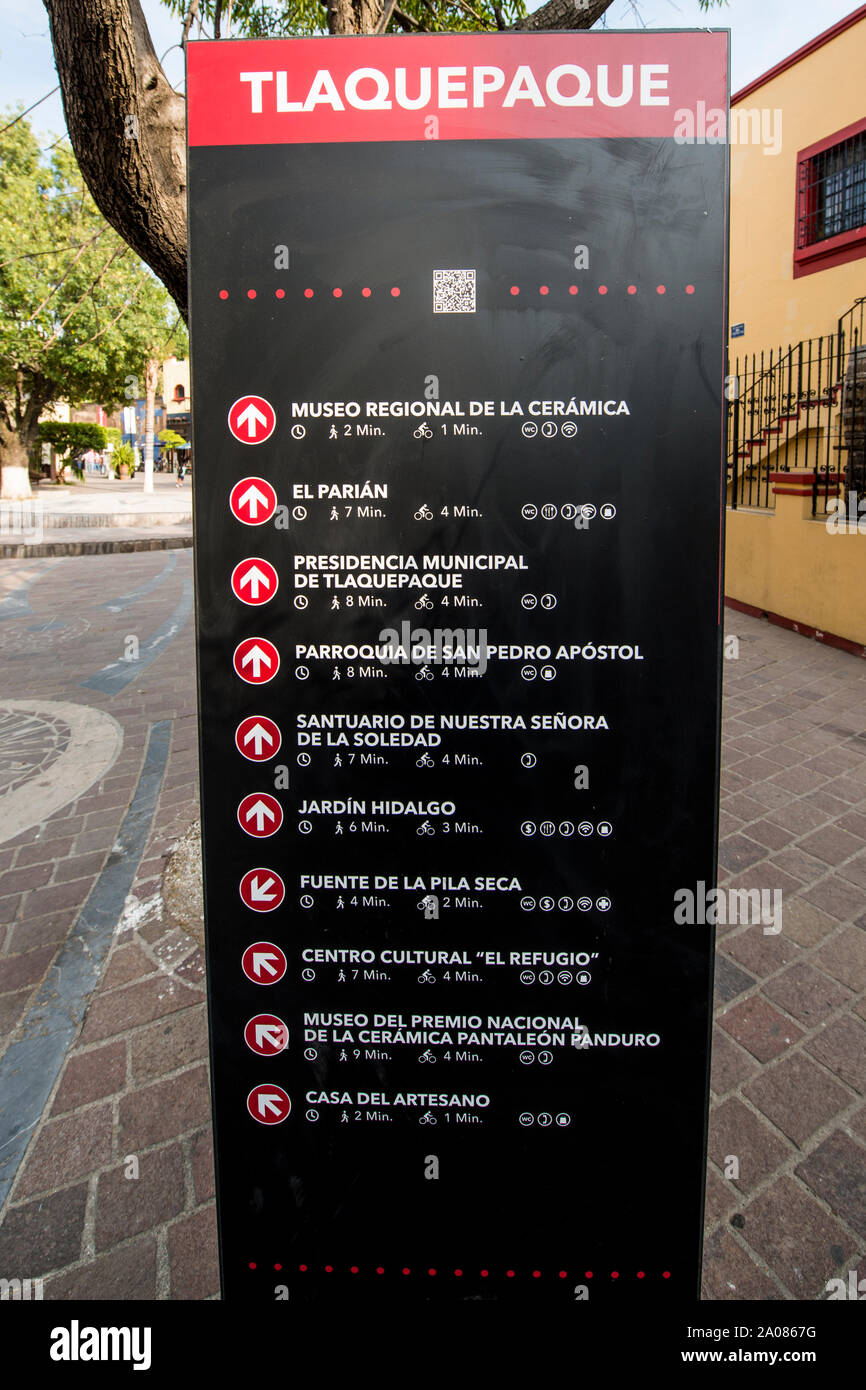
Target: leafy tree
pixel 78 311
pixel 127 124
pixel 75 437
pixel 170 439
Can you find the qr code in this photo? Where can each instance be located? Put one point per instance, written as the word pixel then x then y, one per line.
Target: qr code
pixel 453 291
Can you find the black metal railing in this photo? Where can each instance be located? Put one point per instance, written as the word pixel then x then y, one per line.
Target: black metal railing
pixel 852 372
pixel 800 409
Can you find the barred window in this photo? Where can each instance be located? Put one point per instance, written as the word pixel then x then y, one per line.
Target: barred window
pixel 833 189
pixel 831 201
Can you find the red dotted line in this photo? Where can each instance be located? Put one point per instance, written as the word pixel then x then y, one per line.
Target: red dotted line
pixel 543 290
pixel 337 293
pixel 600 289
pixel 458 1273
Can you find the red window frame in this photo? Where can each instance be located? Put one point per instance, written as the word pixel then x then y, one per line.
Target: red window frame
pixel 848 246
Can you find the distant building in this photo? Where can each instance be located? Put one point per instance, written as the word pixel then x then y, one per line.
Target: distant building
pixel 175 390
pixel 92 413
pixel 132 425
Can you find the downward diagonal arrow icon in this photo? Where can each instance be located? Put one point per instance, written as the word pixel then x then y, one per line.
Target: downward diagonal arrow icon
pixel 262 890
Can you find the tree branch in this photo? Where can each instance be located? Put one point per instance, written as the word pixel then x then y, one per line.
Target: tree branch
pixel 406 21
pixel 473 14
pixel 187 23
pixel 564 14
pixel 116 253
pixel 68 271
pixel 386 17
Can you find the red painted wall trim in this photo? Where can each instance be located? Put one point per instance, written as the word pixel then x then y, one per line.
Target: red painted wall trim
pixel 799 54
pixel 826 262
pixel 847 133
pixel 802 484
pixel 829 639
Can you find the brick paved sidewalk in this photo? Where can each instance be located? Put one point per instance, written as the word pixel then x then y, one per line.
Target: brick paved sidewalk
pixel 788 1064
pixel 135 1081
pixel 789 1047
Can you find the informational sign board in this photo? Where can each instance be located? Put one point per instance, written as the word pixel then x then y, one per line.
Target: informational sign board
pixel 457 336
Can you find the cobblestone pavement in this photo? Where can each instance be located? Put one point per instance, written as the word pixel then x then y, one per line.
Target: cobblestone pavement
pixel 113 1197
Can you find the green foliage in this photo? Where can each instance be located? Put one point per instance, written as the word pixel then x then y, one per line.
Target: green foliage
pixel 124 455
pixel 79 313
pixel 113 435
pixel 75 438
pixel 170 439
pixel 256 19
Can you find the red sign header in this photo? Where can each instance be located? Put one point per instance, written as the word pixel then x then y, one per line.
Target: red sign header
pixel 451 87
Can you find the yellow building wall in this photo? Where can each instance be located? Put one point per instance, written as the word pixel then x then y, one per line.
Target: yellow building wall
pixel 823 93
pixel 786 564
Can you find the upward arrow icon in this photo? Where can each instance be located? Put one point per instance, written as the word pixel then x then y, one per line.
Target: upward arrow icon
pixel 257 658
pixel 255 579
pixel 259 812
pixel 252 499
pixel 259 737
pixel 252 417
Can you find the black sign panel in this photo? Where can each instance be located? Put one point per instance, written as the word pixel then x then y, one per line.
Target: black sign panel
pixel 457 315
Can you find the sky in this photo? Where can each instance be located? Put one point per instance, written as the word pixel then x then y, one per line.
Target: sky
pixel 762 33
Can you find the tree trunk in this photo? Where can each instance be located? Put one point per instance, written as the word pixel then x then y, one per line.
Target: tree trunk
pixel 151 374
pixel 127 128
pixel 19 437
pixel 353 16
pixel 564 14
pixel 14 466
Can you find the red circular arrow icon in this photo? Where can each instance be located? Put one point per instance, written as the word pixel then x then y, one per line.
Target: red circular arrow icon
pixel 269 1104
pixel 258 738
pixel 262 890
pixel 254 581
pixel 256 660
pixel 253 501
pixel 264 963
pixel 267 1035
pixel 252 419
pixel 260 814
